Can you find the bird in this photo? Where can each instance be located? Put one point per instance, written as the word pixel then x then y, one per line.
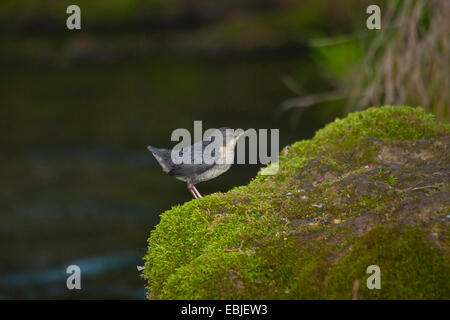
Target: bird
pixel 200 169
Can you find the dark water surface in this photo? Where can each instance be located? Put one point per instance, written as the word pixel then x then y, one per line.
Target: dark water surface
pixel 77 185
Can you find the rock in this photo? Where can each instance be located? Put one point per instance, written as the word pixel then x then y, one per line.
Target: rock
pixel 374 191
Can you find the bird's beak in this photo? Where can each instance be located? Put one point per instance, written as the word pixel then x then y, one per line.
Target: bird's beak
pixel 239 133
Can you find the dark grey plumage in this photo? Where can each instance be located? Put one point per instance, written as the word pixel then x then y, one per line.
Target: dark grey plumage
pixel 193 172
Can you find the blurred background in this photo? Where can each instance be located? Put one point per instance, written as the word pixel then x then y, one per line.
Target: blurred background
pixel 79 107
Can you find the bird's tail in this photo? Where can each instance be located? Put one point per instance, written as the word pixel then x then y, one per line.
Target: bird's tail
pixel 163 157
pixel 152 149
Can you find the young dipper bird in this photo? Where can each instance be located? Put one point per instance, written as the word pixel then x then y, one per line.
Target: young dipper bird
pixel 203 166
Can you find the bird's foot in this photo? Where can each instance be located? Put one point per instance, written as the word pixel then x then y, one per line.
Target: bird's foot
pixel 192 189
pixel 196 191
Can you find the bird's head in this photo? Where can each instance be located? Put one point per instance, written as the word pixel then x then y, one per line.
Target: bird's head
pixel 231 135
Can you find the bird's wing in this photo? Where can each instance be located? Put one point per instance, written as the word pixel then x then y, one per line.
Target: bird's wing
pixel 189 170
pixel 197 165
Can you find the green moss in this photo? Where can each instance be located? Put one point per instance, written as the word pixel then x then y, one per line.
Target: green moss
pixel 411 267
pixel 388 122
pixel 296 234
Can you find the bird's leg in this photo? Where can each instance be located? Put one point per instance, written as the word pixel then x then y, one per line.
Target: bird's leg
pixel 191 190
pixel 196 191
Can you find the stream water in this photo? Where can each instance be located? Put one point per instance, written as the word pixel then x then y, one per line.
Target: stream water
pixel 76 182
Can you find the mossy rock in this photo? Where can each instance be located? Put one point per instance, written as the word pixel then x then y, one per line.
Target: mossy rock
pixel 370 189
